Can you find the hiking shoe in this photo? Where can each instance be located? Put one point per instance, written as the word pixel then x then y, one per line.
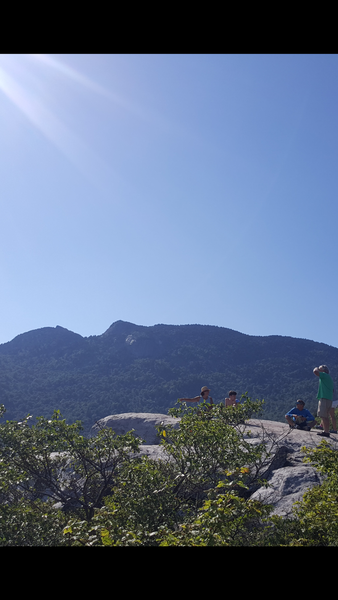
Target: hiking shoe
pixel 333 431
pixel 324 434
pixel 318 427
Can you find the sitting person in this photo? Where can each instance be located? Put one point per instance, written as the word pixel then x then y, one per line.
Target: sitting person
pixel 300 418
pixel 232 400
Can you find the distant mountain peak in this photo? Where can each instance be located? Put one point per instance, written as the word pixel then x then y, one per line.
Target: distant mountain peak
pixel 122 327
pixel 42 337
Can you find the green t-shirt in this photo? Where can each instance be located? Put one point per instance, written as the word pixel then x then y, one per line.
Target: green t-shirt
pixel 325 388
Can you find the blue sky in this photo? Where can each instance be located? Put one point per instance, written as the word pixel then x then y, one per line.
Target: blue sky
pixel 169 189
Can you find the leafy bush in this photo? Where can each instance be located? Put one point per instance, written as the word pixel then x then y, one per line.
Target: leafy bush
pixel 157 502
pixel 52 465
pixel 58 487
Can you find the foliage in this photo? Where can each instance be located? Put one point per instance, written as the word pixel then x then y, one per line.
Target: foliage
pixel 27 523
pixel 142 501
pixel 210 442
pixel 59 488
pixel 52 462
pixel 225 520
pixel 222 520
pixel 154 503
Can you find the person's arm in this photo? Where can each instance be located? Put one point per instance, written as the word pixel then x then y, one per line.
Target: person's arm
pixel 291 413
pixel 316 371
pixel 196 399
pixel 309 416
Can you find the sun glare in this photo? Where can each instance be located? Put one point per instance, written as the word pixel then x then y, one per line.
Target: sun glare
pixel 22 80
pixel 72 74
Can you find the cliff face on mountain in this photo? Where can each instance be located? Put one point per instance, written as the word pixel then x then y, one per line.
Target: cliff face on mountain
pixel 133 368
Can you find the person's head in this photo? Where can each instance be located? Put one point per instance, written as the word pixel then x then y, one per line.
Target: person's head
pixel 232 394
pixel 300 404
pixel 205 391
pixel 324 369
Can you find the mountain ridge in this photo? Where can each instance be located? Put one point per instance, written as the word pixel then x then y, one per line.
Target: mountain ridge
pixel 116 325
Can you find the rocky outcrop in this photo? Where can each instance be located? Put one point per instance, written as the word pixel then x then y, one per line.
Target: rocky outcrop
pixel 287 475
pixel 144 425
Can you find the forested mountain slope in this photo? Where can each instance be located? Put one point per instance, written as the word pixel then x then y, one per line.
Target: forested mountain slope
pixel 133 368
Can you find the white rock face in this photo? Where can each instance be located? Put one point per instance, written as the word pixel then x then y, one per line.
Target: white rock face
pixel 288 482
pixel 144 425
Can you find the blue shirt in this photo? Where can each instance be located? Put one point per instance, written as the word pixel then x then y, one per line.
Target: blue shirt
pixel 301 413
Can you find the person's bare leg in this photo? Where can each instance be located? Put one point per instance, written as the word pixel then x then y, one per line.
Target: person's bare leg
pixel 290 421
pixel 326 424
pixel 333 419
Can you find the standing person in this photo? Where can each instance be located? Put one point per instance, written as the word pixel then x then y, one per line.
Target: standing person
pixel 204 396
pixel 232 400
pixel 325 394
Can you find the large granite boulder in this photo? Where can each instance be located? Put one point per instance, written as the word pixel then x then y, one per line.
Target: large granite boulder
pixel 291 477
pixel 287 486
pixel 144 425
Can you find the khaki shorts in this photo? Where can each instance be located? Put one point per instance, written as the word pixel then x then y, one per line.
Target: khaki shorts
pixel 324 406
